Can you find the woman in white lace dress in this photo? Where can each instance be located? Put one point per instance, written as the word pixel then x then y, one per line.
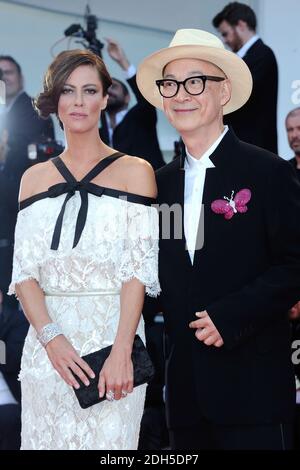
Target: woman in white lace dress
pixel 86 249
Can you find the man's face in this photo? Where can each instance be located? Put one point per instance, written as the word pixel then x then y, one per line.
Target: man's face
pixel 117 98
pixel 189 113
pixel 12 79
pixel 230 35
pixel 293 132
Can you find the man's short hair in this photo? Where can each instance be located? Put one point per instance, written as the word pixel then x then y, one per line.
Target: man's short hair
pixel 293 113
pixel 233 13
pixel 9 58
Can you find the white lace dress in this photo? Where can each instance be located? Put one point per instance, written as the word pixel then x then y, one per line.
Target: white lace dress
pixel 82 287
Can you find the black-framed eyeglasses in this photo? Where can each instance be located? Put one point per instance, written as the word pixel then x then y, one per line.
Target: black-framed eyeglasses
pixel 168 87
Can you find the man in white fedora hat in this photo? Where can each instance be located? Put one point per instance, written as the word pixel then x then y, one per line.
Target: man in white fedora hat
pixel 229 280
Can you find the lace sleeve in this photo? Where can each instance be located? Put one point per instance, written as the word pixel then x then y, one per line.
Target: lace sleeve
pixel 140 255
pixel 25 264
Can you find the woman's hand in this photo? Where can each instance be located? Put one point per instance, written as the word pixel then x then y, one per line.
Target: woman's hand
pixel 66 361
pixel 116 376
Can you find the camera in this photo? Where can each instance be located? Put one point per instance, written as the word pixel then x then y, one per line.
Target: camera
pixel 42 151
pixel 89 35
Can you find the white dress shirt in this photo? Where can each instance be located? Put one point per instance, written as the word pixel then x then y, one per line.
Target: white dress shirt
pixel 243 50
pixel 129 73
pixel 195 171
pixel 119 117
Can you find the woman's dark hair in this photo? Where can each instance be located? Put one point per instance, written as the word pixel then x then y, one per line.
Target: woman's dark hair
pixel 233 13
pixel 59 71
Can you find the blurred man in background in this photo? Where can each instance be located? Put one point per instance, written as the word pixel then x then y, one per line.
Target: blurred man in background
pixel 256 122
pixel 132 131
pixel 20 126
pixel 292 124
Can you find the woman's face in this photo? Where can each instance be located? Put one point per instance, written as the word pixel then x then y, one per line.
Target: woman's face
pixel 81 100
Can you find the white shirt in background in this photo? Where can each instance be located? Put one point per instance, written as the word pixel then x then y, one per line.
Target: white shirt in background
pixel 129 73
pixel 243 50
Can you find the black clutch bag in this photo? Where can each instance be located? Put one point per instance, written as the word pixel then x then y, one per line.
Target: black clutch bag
pixel 143 371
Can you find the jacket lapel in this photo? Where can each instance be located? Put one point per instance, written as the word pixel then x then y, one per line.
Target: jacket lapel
pixel 175 199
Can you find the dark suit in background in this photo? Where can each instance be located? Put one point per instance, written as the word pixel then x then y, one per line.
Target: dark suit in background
pixel 153 431
pixel 256 121
pixel 24 127
pixel 136 134
pixel 293 162
pixel 13 330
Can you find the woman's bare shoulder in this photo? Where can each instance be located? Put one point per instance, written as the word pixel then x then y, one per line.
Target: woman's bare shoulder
pixel 140 176
pixel 34 179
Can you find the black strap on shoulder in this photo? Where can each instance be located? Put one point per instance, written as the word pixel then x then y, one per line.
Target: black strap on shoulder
pixel 100 166
pixel 63 169
pixel 69 187
pixel 104 163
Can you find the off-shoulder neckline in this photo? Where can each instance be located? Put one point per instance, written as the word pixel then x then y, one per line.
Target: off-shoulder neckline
pixel 84 187
pixel 111 192
pixel 71 184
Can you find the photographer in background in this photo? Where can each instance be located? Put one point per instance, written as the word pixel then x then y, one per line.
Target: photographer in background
pixel 132 131
pixel 20 126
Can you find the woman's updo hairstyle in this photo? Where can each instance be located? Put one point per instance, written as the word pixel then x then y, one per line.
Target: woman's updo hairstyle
pixel 59 71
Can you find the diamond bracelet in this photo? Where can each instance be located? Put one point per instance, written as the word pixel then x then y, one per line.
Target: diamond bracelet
pixel 48 332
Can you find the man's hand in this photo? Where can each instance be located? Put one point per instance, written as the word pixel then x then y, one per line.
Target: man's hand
pixel 206 330
pixel 294 313
pixel 116 53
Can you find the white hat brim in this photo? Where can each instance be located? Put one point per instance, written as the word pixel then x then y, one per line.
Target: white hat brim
pixel 233 66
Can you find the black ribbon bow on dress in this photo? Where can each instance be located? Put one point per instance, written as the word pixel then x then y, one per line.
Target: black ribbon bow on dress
pixel 69 188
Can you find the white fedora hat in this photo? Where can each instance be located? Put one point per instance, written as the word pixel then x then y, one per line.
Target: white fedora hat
pixel 196 44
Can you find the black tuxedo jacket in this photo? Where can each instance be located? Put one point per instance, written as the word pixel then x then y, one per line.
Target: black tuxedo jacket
pixel 247 276
pixel 256 121
pixel 13 330
pixel 136 134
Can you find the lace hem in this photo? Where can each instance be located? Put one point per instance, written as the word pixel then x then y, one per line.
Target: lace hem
pixel 12 286
pixel 151 289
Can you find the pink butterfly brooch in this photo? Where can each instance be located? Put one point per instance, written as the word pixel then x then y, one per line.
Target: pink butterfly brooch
pixel 231 206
